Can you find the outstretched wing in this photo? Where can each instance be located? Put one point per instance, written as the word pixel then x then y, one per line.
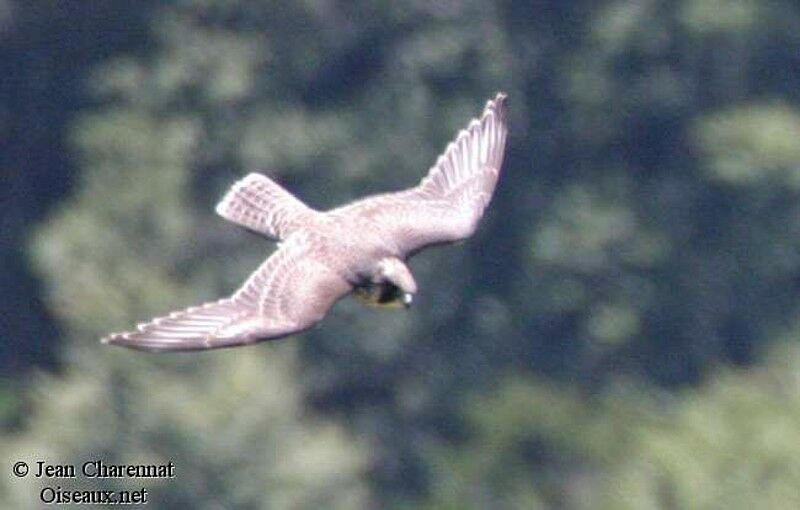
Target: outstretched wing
pixel 291 291
pixel 258 203
pixel 449 202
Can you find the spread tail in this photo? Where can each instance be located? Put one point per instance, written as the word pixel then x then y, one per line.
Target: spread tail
pixel 260 204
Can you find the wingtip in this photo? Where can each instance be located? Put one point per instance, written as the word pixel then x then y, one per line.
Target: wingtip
pixel 120 339
pixel 496 106
pixel 499 99
pixel 125 340
pixel 112 339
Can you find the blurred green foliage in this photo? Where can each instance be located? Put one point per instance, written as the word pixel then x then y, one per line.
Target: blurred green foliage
pixel 729 444
pixel 621 332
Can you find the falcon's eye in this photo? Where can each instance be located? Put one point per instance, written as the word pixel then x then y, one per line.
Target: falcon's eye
pixel 389 293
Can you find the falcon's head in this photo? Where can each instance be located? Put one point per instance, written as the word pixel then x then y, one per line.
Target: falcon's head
pixel 391 285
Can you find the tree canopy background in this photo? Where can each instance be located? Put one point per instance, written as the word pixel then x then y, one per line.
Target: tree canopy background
pixel 622 332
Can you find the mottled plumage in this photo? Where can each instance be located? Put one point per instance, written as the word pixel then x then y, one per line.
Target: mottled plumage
pixel 360 247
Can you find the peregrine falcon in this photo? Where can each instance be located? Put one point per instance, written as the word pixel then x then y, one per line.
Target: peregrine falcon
pixel 359 248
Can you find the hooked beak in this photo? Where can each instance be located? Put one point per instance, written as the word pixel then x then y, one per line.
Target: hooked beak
pixel 407 299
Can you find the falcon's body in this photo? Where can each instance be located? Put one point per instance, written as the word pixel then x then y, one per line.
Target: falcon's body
pixel 360 247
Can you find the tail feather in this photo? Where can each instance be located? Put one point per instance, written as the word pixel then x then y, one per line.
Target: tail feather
pixel 258 203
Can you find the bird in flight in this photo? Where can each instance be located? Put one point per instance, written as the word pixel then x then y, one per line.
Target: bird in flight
pixel 358 248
